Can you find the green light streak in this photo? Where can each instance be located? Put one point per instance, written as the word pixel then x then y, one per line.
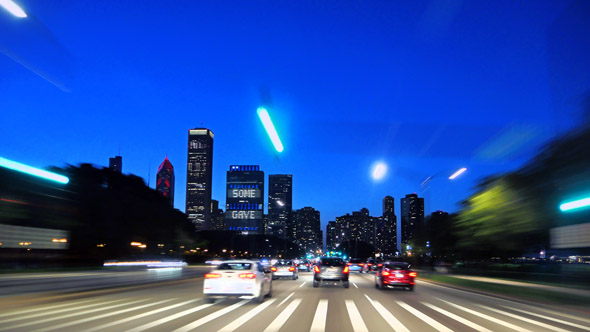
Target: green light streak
pixel 574 205
pixel 15 166
pixel 270 128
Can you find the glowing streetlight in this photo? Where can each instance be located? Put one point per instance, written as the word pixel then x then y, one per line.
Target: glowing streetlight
pixel 15 166
pixel 575 205
pixel 13 8
pixel 270 128
pixel 457 173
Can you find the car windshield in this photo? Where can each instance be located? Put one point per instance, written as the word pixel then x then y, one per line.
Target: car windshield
pixel 234 266
pixel 396 266
pixel 355 260
pixel 331 261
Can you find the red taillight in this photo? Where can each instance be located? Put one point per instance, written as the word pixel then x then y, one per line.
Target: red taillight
pixel 369 264
pixel 380 265
pixel 316 269
pixel 345 269
pixel 385 273
pixel 361 264
pixel 291 269
pixel 247 275
pixel 348 263
pixel 306 264
pixel 273 269
pixel 212 275
pixel 413 274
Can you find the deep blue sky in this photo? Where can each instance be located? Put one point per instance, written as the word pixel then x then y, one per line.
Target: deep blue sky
pixel 426 87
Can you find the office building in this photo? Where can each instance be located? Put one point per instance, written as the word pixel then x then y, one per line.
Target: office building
pixel 333 236
pixel 412 217
pixel 308 233
pixel 217 216
pixel 116 164
pixel 389 231
pixel 199 173
pixel 280 205
pixel 244 199
pixel 165 180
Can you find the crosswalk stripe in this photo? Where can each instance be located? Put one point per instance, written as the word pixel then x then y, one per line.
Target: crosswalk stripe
pixel 149 313
pixel 436 325
pixel 551 318
pixel 531 321
pixel 54 312
pixel 319 319
pixel 457 318
pixel 169 318
pixel 210 317
pixel 490 318
pixel 282 318
pixel 44 308
pixel 108 314
pixel 246 317
pixel 35 322
pixel 395 324
pixel 286 299
pixel 358 325
pixel 355 285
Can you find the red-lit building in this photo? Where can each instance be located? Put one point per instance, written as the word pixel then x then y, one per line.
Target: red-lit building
pixel 165 180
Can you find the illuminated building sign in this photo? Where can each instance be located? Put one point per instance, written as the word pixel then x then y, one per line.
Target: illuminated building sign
pixel 244 199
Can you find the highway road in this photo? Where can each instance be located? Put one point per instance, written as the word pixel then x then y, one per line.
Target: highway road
pixel 294 306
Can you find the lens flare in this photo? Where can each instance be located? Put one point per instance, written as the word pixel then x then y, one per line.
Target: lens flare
pixel 379 171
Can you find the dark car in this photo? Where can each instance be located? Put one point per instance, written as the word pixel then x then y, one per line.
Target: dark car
pixel 304 265
pixel 330 269
pixel 395 274
pixel 371 265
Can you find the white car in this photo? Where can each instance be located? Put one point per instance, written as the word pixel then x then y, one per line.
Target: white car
pixel 238 278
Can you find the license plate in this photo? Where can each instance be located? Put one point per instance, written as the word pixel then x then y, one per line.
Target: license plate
pixel 399 275
pixel 332 269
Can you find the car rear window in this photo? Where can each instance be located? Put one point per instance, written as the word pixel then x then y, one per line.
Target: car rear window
pixel 234 266
pixel 355 260
pixel 285 263
pixel 331 261
pixel 397 266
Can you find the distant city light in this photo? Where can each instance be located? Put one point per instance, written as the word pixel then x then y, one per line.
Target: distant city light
pixel 13 8
pixel 457 173
pixel 15 166
pixel 270 128
pixel 379 171
pixel 577 204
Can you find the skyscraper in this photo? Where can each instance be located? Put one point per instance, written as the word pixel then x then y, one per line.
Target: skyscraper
pixel 412 217
pixel 308 234
pixel 165 180
pixel 116 164
pixel 280 204
pixel 244 199
pixel 333 236
pixel 199 172
pixel 217 216
pixel 389 233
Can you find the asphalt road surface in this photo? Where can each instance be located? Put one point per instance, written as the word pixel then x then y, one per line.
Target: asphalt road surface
pixel 294 306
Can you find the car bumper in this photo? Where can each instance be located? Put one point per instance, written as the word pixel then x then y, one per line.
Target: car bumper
pixel 283 274
pixel 320 277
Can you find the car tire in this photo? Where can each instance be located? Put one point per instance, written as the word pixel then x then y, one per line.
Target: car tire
pixel 209 299
pixel 294 277
pixel 269 291
pixel 411 288
pixel 346 284
pixel 376 284
pixel 260 296
pixel 316 283
pixel 381 286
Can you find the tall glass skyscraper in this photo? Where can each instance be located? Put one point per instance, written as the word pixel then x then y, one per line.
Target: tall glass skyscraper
pixel 245 199
pixel 389 233
pixel 116 164
pixel 412 217
pixel 165 180
pixel 280 205
pixel 199 173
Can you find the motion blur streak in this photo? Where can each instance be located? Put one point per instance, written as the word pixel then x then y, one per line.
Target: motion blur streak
pixel 13 8
pixel 13 165
pixel 379 171
pixel 457 173
pixel 573 205
pixel 270 128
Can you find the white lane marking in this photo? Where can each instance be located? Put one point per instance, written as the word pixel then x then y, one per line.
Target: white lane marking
pixel 286 299
pixel 457 318
pixel 246 317
pixel 169 318
pixel 531 321
pixel 85 320
pixel 302 284
pixel 44 308
pixel 551 318
pixel 395 324
pixel 355 285
pixel 436 325
pixel 210 317
pixel 79 313
pixel 319 319
pixel 149 313
pixel 358 325
pixel 490 318
pixel 281 319
pixel 54 312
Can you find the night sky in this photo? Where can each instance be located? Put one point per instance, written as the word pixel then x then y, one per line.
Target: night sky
pixel 425 87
